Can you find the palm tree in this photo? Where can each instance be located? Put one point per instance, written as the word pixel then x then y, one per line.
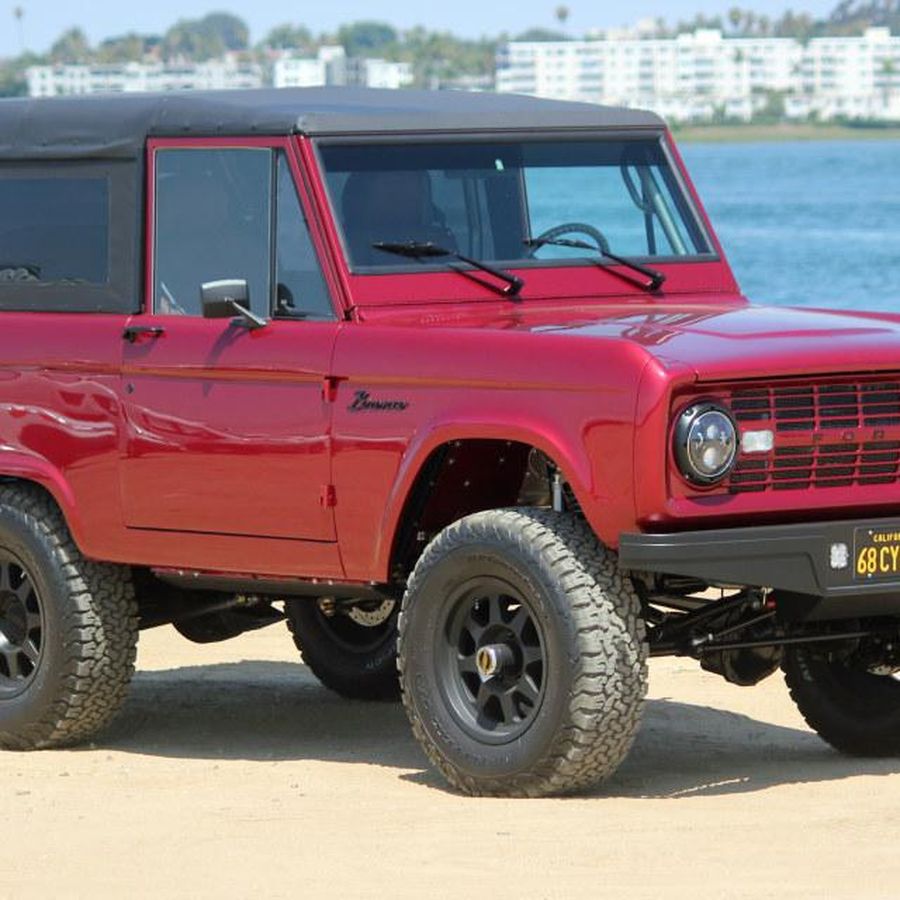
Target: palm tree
pixel 562 14
pixel 18 15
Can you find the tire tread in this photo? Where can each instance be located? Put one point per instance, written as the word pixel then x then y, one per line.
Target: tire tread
pixel 99 627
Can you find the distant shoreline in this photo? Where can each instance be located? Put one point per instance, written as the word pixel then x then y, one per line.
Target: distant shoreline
pixel 720 134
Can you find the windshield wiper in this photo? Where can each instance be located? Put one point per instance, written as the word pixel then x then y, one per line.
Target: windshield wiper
pixel 657 278
pixel 428 249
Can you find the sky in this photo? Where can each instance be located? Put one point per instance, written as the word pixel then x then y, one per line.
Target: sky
pixel 44 20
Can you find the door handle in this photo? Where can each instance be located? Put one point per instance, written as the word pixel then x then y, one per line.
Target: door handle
pixel 132 332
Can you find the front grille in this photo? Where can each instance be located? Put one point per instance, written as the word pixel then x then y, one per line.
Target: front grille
pixel 825 465
pixel 820 407
pixel 828 434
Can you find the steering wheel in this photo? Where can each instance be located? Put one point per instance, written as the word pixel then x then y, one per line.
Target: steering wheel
pixel 569 228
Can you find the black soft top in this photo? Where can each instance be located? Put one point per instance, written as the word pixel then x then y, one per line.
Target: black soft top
pixel 117 125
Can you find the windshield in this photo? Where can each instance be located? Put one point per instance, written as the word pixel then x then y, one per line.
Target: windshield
pixel 507 202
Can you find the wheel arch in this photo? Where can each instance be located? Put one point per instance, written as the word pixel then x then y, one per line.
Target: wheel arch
pixel 490 443
pixel 22 468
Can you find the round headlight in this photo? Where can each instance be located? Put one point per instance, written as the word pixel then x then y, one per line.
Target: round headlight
pixel 705 442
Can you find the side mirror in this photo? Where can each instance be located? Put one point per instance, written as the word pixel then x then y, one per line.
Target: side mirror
pixel 229 298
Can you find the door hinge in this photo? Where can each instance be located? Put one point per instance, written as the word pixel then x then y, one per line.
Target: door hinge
pixel 328 496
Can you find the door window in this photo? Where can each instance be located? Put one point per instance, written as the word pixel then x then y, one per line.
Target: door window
pixel 233 214
pixel 213 222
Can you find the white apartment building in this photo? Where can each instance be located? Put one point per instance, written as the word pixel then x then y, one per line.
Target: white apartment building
pixel 326 67
pixel 332 66
pixel 697 75
pixel 56 81
pixel 379 73
pixel 329 66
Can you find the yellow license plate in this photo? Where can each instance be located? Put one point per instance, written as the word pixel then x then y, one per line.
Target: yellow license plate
pixel 876 553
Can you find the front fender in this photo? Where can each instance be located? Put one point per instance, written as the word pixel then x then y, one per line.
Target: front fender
pixel 571 398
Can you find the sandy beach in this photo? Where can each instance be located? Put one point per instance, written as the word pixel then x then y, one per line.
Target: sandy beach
pixel 232 773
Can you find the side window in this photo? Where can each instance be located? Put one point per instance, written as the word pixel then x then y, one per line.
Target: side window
pixel 54 230
pixel 300 288
pixel 70 235
pixel 213 222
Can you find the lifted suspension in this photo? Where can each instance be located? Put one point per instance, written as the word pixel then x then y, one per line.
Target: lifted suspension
pixel 740 637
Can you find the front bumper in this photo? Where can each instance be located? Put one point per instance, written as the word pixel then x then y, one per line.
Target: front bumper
pixel 793 560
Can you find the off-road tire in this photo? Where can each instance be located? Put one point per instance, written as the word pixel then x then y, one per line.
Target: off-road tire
pixel 356 673
pixel 856 712
pixel 89 638
pixel 596 653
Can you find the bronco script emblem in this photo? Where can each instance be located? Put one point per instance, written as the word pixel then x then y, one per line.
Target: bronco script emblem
pixel 364 402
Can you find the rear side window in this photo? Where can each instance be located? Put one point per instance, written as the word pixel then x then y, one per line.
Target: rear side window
pixel 68 236
pixel 54 230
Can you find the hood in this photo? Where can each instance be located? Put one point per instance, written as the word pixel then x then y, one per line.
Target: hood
pixel 730 340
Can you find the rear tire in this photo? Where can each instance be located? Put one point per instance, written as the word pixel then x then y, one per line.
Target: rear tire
pixel 536 592
pixel 858 713
pixel 68 629
pixel 355 657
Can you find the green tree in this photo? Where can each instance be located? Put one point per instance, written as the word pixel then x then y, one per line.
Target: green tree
pixel 289 37
pixel 438 56
pixel 71 46
pixel 12 74
pixel 129 47
pixel 794 25
pixel 211 36
pixel 367 38
pixel 700 21
pixel 854 16
pixel 229 29
pixel 541 34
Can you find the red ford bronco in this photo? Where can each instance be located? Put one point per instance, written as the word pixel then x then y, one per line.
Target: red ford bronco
pixel 458 385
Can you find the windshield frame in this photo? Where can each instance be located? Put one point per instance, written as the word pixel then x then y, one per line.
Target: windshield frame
pixel 687 195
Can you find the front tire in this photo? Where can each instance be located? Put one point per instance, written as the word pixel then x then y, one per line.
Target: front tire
pixel 855 711
pixel 522 655
pixel 68 629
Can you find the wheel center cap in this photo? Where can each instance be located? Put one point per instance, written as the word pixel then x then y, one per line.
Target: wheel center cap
pixel 13 619
pixel 491 659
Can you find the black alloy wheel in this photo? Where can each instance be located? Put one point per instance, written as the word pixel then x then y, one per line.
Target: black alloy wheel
pixel 494 660
pixel 21 626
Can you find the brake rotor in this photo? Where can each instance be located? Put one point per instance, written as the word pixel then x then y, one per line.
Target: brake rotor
pixel 370 615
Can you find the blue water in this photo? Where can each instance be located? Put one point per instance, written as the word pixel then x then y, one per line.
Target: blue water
pixel 806 223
